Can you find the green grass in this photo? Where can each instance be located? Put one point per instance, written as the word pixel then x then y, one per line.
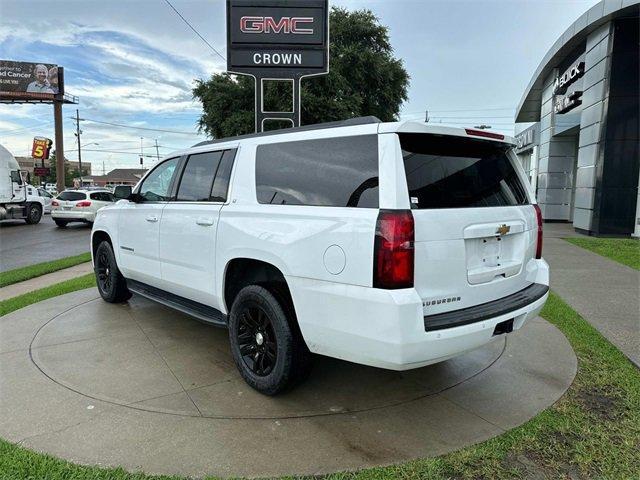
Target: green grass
pixel 621 250
pixel 32 271
pixel 593 431
pixel 79 283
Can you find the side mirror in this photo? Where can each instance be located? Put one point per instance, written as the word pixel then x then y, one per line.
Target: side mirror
pixel 122 192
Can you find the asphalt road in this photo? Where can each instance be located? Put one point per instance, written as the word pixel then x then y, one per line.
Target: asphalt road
pixel 22 244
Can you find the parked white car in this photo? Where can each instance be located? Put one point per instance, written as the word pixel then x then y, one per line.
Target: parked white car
pixel 394 245
pixel 79 206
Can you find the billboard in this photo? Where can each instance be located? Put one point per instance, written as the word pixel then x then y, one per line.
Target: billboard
pixel 23 80
pixel 283 38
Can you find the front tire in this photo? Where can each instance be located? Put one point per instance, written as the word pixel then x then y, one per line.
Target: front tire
pixel 269 353
pixel 34 213
pixel 111 284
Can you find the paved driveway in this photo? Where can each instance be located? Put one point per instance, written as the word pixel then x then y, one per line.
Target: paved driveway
pixel 22 244
pixel 147 388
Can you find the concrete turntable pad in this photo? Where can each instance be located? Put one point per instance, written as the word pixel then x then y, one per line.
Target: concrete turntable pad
pixel 140 386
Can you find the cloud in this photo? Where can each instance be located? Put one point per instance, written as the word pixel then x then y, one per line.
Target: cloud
pixel 119 77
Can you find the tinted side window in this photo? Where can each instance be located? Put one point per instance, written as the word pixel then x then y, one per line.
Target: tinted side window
pixel 155 187
pixel 197 178
pixel 72 196
pixel 221 183
pixel 102 196
pixel 336 172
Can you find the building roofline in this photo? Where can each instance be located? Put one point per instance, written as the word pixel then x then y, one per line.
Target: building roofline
pixel 529 107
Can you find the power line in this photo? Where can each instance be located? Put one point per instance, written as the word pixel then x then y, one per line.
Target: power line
pixel 467 110
pixel 472 116
pixel 195 31
pixel 111 151
pixel 17 131
pixel 140 128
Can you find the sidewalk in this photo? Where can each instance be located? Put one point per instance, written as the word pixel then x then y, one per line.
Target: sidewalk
pixel 36 283
pixel 604 292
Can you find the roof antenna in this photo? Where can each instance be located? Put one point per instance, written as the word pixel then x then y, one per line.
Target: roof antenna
pixel 426 116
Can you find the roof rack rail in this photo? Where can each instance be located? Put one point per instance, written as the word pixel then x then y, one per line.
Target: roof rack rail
pixel 317 126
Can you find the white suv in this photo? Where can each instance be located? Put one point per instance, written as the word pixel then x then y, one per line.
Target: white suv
pixel 79 205
pixel 395 245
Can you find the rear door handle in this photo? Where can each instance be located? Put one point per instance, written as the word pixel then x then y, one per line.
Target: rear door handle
pixel 205 222
pixel 152 218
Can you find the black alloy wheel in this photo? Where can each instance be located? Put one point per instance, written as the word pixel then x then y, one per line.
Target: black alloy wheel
pixel 104 271
pixel 257 341
pixel 266 345
pixel 111 284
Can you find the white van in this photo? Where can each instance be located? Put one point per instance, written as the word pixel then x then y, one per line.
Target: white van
pixel 394 245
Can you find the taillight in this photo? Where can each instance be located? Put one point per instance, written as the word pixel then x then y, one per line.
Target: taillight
pixel 539 240
pixel 84 203
pixel 393 257
pixel 55 204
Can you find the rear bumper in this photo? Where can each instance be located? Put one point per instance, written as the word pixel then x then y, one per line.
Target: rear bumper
pixel 386 328
pixel 486 311
pixel 71 215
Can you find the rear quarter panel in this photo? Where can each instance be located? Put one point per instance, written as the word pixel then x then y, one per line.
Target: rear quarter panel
pixel 293 238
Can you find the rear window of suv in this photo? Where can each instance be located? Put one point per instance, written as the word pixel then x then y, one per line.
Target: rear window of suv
pixel 72 196
pixel 330 172
pixel 445 171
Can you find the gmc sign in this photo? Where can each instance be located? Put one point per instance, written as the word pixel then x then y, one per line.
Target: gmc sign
pixel 286 38
pixel 269 25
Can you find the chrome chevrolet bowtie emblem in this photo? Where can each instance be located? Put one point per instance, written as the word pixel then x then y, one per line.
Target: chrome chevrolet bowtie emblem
pixel 503 229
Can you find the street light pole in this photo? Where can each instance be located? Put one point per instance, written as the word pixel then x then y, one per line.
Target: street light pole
pixel 79 146
pixel 141 154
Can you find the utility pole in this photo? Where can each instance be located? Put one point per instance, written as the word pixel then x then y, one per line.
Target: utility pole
pixel 78 132
pixel 157 151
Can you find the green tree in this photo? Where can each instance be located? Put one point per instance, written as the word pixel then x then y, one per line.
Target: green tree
pixel 364 79
pixel 69 174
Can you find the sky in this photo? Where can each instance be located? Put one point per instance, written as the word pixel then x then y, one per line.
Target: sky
pixel 134 62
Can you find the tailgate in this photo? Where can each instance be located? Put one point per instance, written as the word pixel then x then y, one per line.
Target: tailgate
pixel 475 227
pixel 466 258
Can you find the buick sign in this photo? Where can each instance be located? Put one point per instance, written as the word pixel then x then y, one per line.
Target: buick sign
pixel 277 38
pixel 563 81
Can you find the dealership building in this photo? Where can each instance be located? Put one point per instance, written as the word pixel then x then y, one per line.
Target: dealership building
pixel 582 152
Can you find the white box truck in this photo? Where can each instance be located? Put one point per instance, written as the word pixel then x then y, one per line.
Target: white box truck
pixel 18 199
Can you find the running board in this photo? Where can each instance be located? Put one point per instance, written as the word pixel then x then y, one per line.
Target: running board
pixel 199 311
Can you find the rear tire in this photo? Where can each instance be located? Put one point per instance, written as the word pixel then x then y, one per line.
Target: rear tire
pixel 61 223
pixel 111 284
pixel 34 213
pixel 268 351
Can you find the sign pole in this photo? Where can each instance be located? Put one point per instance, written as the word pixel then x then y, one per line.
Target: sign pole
pixel 57 116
